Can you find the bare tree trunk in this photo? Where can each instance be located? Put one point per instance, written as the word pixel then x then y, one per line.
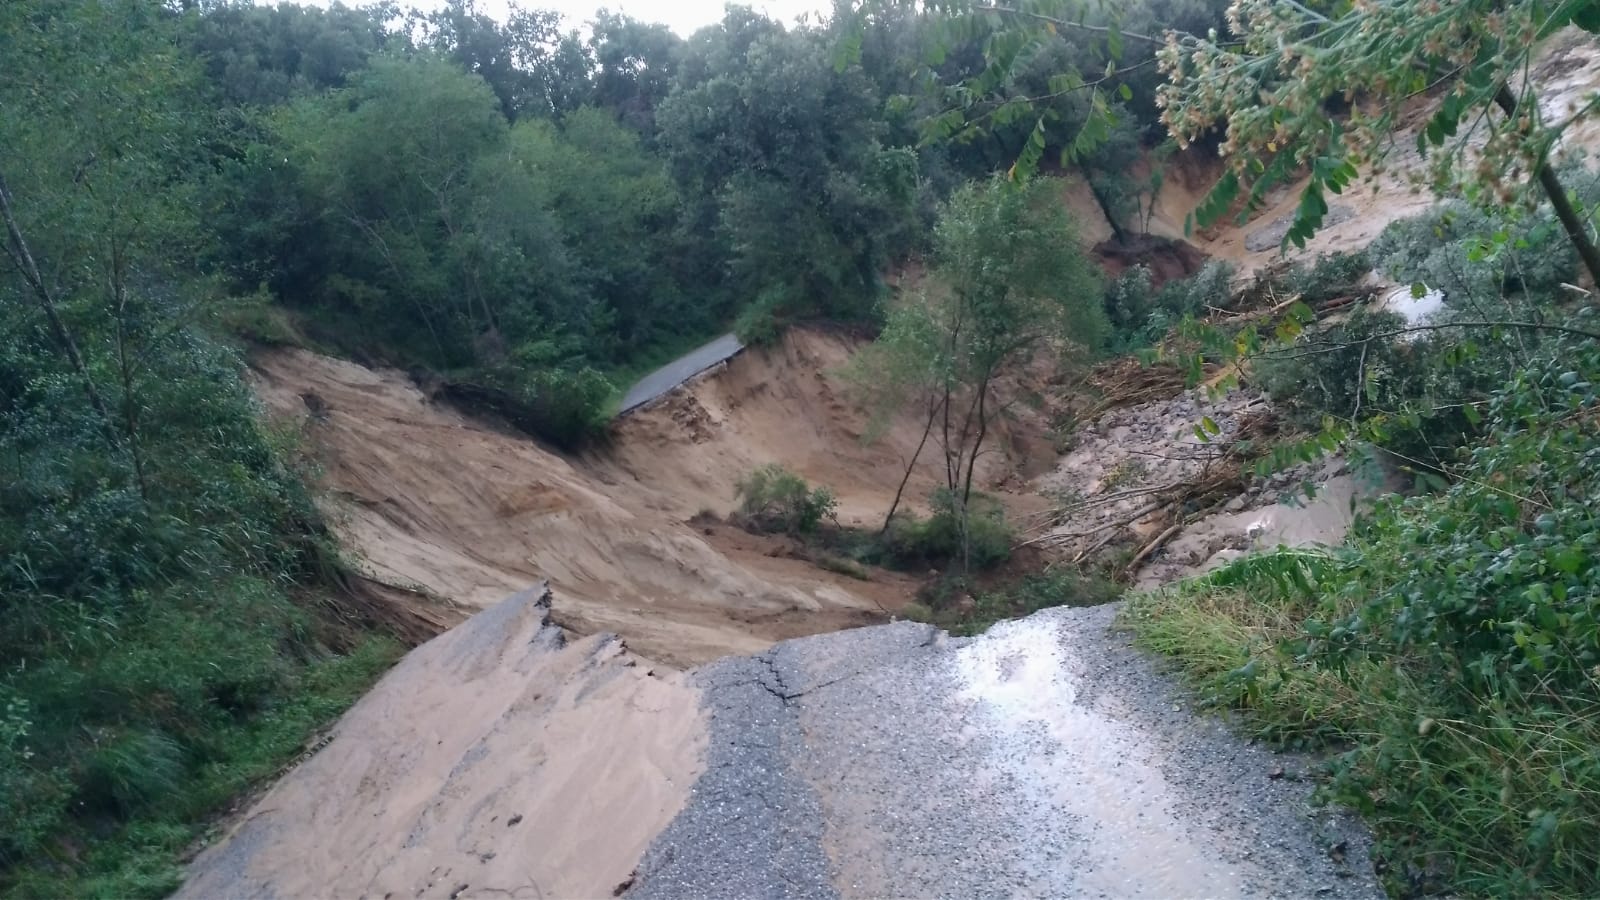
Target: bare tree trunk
pixel 17 249
pixel 1117 231
pixel 130 406
pixel 983 432
pixel 1570 220
pixel 927 429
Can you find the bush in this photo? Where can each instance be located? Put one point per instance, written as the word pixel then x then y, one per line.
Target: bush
pixel 937 540
pixel 1329 277
pixel 758 324
pixel 1141 315
pixel 564 406
pixel 1453 647
pixel 772 498
pixel 1478 258
pixel 1130 298
pixel 1420 395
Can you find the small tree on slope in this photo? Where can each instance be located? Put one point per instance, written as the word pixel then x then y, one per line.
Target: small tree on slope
pixel 1009 277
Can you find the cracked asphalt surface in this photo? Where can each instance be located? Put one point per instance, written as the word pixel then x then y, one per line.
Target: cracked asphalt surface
pixel 680 370
pixel 1044 758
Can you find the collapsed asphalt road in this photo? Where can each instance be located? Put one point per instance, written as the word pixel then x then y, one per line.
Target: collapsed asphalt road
pixel 685 367
pixel 1045 758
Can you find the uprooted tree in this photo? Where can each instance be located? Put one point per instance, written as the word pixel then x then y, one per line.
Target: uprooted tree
pixel 1008 278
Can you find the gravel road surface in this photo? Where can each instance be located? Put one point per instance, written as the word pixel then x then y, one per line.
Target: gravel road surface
pixel 1044 758
pixel 680 370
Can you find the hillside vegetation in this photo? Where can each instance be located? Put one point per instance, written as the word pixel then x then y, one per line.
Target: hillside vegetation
pixel 521 211
pixel 528 214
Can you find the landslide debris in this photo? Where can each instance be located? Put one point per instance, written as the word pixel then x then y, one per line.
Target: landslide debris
pixel 499 759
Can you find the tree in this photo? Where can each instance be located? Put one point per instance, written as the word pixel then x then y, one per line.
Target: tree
pixel 634 65
pixel 790 195
pixel 1008 279
pixel 259 55
pixel 533 67
pixel 1301 90
pixel 1274 84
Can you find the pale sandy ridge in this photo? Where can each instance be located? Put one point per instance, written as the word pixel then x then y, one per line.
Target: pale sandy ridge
pixel 497 760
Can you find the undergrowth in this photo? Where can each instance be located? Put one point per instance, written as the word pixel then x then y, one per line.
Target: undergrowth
pixel 1449 654
pixel 171 791
pixel 963 608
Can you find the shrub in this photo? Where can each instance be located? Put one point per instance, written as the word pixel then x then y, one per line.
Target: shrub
pixel 772 498
pixel 1329 276
pixel 1453 647
pixel 758 324
pixel 566 406
pixel 938 538
pixel 1130 298
pixel 1211 286
pixel 1142 315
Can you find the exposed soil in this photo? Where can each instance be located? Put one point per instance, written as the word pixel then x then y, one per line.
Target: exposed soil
pixel 1167 259
pixel 1046 757
pixel 498 760
pixel 448 514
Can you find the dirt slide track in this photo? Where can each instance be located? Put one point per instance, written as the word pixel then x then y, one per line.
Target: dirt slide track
pixel 463 513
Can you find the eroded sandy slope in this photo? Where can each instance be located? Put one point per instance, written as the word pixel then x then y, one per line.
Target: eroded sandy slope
pixel 497 760
pixel 426 498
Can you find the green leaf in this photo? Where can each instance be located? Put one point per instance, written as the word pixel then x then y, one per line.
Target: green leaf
pixel 1125 92
pixel 1217 200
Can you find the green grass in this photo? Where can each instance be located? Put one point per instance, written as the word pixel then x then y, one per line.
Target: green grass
pixel 1227 642
pixel 142 858
pixel 1481 796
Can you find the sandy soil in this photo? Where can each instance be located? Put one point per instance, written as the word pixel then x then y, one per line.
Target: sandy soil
pixel 786 404
pixel 452 508
pixel 497 760
pixel 1567 72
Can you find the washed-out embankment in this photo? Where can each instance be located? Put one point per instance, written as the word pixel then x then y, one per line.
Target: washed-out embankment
pixel 691 711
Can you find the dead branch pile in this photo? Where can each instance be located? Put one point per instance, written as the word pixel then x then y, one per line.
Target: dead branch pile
pixel 1161 508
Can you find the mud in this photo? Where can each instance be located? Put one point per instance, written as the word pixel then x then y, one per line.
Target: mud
pixel 448 513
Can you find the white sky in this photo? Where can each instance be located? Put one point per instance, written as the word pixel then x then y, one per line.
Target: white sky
pixel 683 16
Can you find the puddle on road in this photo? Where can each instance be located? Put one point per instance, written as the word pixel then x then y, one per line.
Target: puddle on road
pixel 1074 761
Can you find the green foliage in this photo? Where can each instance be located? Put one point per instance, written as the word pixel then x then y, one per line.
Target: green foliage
pixel 1031 594
pixel 1330 276
pixel 758 324
pixel 1272 81
pixel 1008 253
pixel 772 498
pixel 1420 395
pixel 975 535
pixel 1452 646
pixel 790 196
pixel 153 544
pixel 1476 257
pixel 1141 315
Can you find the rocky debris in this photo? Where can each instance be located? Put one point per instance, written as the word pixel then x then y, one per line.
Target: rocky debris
pixel 1168 483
